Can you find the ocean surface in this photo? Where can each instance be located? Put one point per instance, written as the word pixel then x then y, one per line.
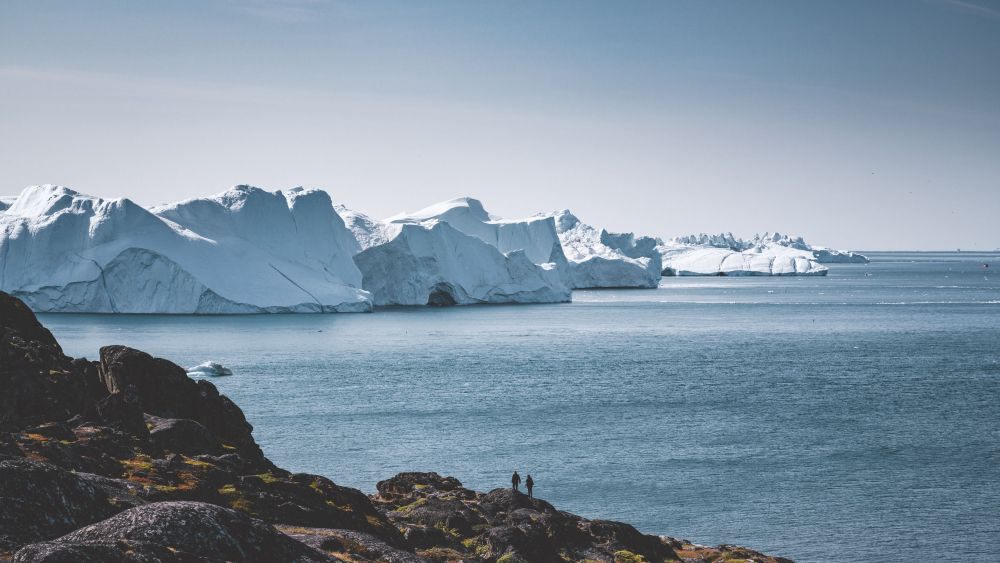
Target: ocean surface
pixel 853 417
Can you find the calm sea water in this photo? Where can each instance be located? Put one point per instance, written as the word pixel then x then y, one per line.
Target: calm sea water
pixel 854 417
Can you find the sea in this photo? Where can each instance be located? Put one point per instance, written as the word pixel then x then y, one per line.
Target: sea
pixel 851 417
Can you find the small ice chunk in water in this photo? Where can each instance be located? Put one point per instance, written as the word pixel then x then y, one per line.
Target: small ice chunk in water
pixel 209 369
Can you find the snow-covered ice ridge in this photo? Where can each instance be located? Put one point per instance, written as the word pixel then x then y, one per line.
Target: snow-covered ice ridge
pixel 245 250
pixel 598 258
pixel 768 240
pixel 725 255
pixel 584 256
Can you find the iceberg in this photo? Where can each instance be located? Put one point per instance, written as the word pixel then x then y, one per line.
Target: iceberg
pixel 209 369
pixel 725 255
pixel 433 263
pixel 601 259
pixel 821 254
pixel 455 253
pixel 367 231
pixel 245 250
pixel 768 240
pixel 535 236
pixel 584 256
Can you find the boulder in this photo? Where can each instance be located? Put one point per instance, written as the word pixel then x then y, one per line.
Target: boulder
pixel 39 501
pixel 405 484
pixel 189 531
pixel 350 543
pixel 182 436
pixel 312 501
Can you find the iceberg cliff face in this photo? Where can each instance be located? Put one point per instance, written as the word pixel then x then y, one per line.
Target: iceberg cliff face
pixel 603 259
pixel 584 256
pixel 433 263
pixel 245 250
pixel 535 236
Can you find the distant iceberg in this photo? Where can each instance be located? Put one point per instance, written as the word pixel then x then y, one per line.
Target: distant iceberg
pixel 768 240
pixel 209 369
pixel 725 255
pixel 245 250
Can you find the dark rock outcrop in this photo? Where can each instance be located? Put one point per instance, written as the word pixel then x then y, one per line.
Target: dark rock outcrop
pixel 182 436
pixel 174 531
pixel 164 390
pixel 40 501
pixel 438 511
pixel 38 383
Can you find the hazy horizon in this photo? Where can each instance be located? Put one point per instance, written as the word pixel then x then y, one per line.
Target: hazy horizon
pixel 857 125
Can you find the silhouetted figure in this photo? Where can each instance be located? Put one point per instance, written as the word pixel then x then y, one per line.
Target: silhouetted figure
pixel 515 480
pixel 529 483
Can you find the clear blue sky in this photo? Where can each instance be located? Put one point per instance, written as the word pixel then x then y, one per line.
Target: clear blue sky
pixel 860 124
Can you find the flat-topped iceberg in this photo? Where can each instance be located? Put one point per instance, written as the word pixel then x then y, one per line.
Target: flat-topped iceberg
pixel 726 255
pixel 685 260
pixel 245 250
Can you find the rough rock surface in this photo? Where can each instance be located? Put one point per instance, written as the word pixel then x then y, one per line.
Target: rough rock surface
pixel 128 459
pixel 178 531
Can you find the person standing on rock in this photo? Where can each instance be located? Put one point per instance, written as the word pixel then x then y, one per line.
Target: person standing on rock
pixel 529 484
pixel 515 480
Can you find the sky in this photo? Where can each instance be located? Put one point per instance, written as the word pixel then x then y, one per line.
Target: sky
pixel 858 124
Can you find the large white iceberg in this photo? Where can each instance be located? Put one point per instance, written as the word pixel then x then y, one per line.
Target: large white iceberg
pixel 433 263
pixel 245 250
pixel 535 236
pixel 726 255
pixel 584 256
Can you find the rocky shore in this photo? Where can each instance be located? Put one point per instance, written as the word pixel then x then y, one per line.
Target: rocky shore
pixel 129 459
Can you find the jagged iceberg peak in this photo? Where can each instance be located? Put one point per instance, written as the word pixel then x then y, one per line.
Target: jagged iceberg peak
pixel 721 240
pixel 598 258
pixel 564 220
pixel 368 231
pixel 243 250
pixel 762 242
